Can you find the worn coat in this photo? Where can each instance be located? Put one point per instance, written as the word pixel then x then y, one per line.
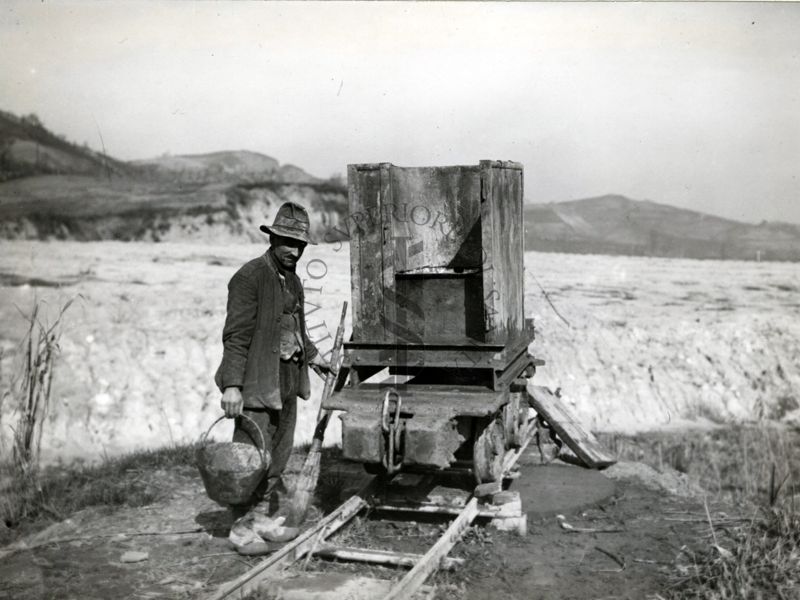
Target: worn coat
pixel 251 337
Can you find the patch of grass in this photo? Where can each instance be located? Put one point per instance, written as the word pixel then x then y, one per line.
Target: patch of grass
pixel 60 491
pixel 734 464
pixel 754 468
pixel 763 562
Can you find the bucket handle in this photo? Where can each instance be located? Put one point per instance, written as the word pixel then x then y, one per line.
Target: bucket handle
pixel 262 451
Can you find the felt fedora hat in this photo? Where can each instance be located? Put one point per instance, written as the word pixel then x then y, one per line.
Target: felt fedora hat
pixel 291 221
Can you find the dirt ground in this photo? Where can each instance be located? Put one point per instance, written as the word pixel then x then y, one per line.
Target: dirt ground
pixel 641 519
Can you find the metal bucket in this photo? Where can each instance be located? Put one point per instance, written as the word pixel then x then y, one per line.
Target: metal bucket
pixel 231 471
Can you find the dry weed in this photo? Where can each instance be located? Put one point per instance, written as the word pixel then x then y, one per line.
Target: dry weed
pixel 31 389
pixel 755 467
pixel 741 464
pixel 762 560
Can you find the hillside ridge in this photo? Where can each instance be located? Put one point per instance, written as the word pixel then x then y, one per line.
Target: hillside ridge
pixel 28 148
pixel 615 224
pixel 51 188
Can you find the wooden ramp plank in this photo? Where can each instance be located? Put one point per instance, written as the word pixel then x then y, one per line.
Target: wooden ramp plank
pixel 559 417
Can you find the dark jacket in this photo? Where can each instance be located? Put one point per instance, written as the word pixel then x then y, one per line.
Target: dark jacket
pixel 251 336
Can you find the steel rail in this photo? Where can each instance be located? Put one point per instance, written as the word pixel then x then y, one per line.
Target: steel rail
pixel 313 538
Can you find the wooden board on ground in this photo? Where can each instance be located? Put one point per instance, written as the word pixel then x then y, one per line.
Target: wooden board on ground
pixel 328 585
pixel 558 416
pixel 380 557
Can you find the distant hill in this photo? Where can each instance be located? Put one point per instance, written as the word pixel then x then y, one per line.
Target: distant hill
pixel 241 165
pixel 51 188
pixel 27 148
pixel 614 224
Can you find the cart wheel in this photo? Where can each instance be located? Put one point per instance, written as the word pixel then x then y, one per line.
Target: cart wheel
pixel 515 417
pixel 488 453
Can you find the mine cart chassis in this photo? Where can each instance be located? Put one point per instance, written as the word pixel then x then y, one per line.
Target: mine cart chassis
pixel 463 407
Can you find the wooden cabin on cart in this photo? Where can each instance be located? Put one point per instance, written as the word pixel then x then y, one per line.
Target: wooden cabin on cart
pixel 439 356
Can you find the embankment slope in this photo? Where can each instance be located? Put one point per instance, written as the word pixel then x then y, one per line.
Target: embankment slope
pixel 643 343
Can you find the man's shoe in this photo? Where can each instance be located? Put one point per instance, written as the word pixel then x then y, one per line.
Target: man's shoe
pixel 243 532
pixel 258 548
pixel 273 530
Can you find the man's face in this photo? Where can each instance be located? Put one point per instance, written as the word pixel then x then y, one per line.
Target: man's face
pixel 287 250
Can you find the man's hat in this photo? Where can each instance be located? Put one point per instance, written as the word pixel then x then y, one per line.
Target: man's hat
pixel 290 221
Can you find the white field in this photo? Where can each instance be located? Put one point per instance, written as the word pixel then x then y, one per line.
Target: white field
pixel 650 343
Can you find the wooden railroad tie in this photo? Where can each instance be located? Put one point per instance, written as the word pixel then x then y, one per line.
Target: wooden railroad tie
pixel 380 557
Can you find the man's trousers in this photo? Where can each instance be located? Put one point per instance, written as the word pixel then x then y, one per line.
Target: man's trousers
pixel 277 427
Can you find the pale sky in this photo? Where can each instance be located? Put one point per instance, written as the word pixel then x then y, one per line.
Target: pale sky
pixel 691 104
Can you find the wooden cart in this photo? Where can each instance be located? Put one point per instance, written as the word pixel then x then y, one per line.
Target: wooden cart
pixel 439 353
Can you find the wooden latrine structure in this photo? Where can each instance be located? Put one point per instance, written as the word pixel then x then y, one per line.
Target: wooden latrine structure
pixel 437 279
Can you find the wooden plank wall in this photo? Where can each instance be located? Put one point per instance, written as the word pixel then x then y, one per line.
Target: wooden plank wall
pixel 364 191
pixel 391 251
pixel 428 214
pixel 408 219
pixel 502 232
pixel 435 208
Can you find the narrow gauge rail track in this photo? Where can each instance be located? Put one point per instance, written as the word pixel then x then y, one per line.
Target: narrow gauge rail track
pixel 312 541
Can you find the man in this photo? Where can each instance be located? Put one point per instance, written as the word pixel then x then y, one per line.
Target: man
pixel 266 354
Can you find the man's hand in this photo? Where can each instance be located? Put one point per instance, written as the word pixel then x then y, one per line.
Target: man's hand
pixel 232 402
pixel 321 366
